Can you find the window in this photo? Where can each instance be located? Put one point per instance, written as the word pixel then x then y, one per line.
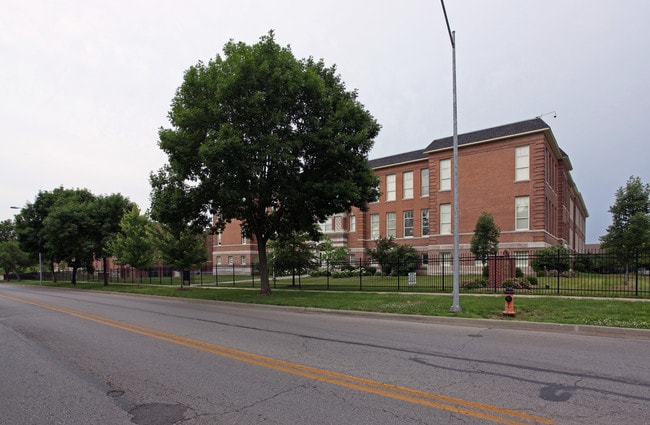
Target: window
pixel 522 163
pixel 353 223
pixel 425 222
pixel 521 259
pixel 391 225
pixel 218 260
pixel 219 239
pixel 445 258
pixel 408 223
pixel 326 226
pixel 445 219
pixel 407 182
pixel 390 187
pixel 230 261
pixel 374 226
pixel 424 182
pixel 521 213
pixel 425 258
pixel 243 239
pixel 243 260
pixel 445 174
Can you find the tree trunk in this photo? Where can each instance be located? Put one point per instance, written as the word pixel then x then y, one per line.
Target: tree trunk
pixel 74 274
pixel 264 267
pixel 53 274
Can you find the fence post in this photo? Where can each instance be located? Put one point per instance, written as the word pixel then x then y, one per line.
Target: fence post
pixel 398 274
pixel 557 269
pixel 360 275
pixel 327 272
pixel 636 272
pixel 441 261
pixel 233 273
pixel 216 275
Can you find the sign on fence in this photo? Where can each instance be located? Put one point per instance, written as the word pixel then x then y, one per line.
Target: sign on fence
pixel 412 278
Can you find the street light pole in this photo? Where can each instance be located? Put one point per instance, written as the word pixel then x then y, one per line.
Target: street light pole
pixel 455 307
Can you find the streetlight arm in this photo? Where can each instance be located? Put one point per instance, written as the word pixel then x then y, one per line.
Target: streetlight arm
pixel 451 34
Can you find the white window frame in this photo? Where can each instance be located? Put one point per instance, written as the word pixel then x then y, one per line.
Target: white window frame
pixel 374 226
pixel 522 163
pixel 353 223
pixel 409 223
pixel 391 224
pixel 407 185
pixel 521 259
pixel 391 188
pixel 445 219
pixel 522 213
pixel 425 223
pixel 424 182
pixel 445 174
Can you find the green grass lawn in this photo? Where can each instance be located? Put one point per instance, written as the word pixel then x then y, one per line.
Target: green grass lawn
pixel 551 309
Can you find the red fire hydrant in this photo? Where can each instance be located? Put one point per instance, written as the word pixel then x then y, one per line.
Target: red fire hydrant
pixel 510 302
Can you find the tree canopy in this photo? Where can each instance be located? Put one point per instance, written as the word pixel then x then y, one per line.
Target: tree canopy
pixel 630 228
pixel 262 137
pixel 485 241
pixel 133 244
pixel 70 225
pixel 629 232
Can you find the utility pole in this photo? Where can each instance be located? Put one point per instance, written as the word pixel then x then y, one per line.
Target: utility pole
pixel 455 307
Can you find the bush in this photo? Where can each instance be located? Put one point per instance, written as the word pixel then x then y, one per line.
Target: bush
pixel 579 267
pixel 518 272
pixel 516 283
pixel 372 270
pixel 474 284
pixel 532 280
pixel 486 271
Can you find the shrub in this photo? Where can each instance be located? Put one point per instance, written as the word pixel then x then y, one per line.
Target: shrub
pixel 474 284
pixel 516 283
pixel 518 272
pixel 532 280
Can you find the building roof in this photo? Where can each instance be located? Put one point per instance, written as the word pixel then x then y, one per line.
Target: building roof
pixel 508 130
pixel 528 126
pixel 400 158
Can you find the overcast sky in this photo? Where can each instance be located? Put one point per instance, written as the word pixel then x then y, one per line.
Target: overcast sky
pixel 85 85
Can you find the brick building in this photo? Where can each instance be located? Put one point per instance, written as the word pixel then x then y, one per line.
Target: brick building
pixel 516 172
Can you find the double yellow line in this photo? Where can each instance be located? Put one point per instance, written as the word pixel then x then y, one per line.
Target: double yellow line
pixel 436 401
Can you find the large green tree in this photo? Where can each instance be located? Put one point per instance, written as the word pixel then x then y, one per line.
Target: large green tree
pixel 629 232
pixel 12 258
pixel 485 241
pixel 30 227
pixel 133 245
pixel 70 225
pixel 181 248
pixel 259 136
pixel 108 213
pixel 292 253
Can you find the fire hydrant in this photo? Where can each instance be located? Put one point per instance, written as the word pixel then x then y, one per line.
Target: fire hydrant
pixel 510 302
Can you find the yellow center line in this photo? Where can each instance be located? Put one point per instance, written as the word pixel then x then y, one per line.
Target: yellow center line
pixel 441 402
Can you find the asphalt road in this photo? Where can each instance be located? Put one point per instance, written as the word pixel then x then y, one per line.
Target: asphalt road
pixel 80 357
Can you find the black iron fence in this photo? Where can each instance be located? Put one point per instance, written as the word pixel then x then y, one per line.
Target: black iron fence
pixel 591 274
